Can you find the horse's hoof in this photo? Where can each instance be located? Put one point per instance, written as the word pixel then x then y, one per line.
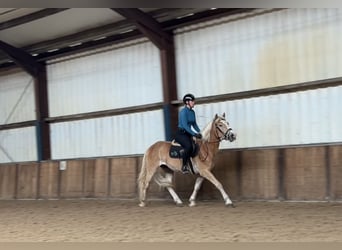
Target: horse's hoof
pixel 179 204
pixel 142 204
pixel 230 205
pixel 192 204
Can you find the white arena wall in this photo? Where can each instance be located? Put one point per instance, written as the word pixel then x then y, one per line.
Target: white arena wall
pixel 255 51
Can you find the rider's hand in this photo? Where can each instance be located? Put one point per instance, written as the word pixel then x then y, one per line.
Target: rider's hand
pixel 198 136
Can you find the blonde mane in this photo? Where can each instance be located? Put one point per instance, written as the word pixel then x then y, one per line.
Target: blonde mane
pixel 206 131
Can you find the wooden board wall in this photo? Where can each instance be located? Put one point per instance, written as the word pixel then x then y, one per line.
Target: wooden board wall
pixel 305 173
pixel 334 158
pixel 8 181
pixel 301 173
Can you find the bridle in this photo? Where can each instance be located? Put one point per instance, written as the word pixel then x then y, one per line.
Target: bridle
pixel 219 138
pixel 225 135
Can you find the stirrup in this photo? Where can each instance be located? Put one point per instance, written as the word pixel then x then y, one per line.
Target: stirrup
pixel 185 169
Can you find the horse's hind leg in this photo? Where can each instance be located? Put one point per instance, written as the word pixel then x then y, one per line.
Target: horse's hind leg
pixel 197 186
pixel 144 179
pixel 143 189
pixel 167 183
pixel 175 197
pixel 173 193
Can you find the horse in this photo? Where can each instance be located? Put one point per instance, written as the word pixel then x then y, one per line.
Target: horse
pixel 157 157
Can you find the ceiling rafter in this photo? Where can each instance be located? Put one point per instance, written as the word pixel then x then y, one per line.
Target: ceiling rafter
pixel 161 15
pixel 80 37
pixel 147 25
pixel 30 17
pixel 164 41
pixel 169 19
pixel 22 58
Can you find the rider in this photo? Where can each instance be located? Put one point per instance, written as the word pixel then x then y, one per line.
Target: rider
pixel 187 127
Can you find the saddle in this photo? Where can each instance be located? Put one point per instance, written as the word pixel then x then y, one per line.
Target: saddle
pixel 177 151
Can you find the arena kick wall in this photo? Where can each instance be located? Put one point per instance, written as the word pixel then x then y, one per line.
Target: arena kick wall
pixel 299 173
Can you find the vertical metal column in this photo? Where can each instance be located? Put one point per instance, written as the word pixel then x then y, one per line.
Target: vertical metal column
pixel 169 90
pixel 42 112
pixel 164 41
pixel 38 72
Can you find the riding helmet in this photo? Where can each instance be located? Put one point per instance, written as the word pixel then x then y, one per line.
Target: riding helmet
pixel 188 97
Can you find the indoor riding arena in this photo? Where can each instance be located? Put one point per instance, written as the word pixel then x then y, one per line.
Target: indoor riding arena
pixel 81 103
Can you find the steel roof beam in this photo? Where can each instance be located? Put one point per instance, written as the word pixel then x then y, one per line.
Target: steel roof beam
pixel 168 19
pixel 30 17
pixel 164 41
pixel 38 72
pixel 98 32
pixel 22 58
pixel 147 25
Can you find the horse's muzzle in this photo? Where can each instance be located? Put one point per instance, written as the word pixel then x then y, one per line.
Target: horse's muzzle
pixel 231 136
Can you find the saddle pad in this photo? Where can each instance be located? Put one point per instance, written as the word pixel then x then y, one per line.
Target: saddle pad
pixel 176 151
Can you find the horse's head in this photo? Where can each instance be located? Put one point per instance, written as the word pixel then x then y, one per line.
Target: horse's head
pixel 222 129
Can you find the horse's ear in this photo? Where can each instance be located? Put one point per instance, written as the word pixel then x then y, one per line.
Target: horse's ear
pixel 224 115
pixel 215 117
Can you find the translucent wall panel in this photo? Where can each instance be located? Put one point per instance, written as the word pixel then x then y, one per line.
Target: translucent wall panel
pixel 17 145
pixel 305 117
pixel 118 135
pixel 17 101
pixel 108 78
pixel 275 48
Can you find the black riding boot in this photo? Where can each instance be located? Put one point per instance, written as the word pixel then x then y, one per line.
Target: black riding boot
pixel 185 167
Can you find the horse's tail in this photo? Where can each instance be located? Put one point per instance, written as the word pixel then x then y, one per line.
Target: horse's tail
pixel 149 170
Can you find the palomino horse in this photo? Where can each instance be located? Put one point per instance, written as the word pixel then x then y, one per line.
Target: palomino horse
pixel 157 155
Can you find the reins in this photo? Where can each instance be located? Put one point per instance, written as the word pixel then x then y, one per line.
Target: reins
pixel 218 139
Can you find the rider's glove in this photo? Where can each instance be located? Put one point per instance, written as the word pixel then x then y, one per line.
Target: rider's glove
pixel 198 136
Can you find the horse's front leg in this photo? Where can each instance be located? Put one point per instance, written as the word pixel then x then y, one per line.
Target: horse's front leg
pixel 198 183
pixel 209 176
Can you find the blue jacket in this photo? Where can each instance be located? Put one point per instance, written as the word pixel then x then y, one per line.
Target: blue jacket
pixel 187 120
